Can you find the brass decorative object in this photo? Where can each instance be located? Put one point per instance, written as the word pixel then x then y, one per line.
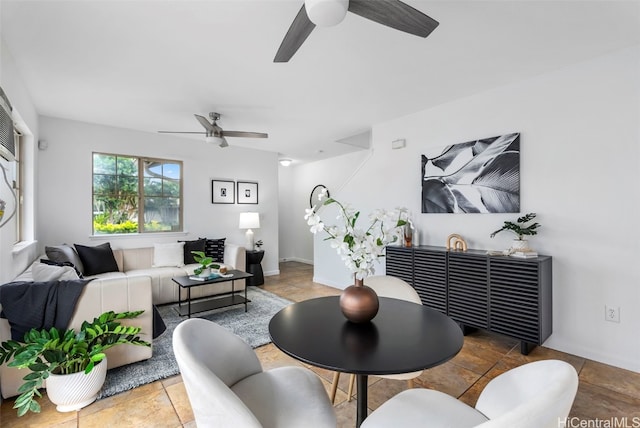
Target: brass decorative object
pixel 359 303
pixel 455 242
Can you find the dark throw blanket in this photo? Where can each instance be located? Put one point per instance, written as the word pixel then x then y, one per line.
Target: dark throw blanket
pixel 39 305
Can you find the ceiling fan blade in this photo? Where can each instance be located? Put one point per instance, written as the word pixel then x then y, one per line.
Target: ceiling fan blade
pixel 204 122
pixel 300 29
pixel 395 14
pixel 245 134
pixel 180 132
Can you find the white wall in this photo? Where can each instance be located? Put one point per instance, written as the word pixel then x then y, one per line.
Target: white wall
pixel 580 139
pixel 14 259
pixel 300 182
pixel 286 201
pixel 64 213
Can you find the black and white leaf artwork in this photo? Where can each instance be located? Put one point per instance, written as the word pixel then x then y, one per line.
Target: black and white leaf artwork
pixel 481 176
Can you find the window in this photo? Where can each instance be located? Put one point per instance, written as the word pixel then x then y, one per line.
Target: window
pixel 127 189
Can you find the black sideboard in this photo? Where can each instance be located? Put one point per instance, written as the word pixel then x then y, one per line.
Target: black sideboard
pixel 497 293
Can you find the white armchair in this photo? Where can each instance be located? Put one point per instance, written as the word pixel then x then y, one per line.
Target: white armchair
pixel 534 395
pixel 227 387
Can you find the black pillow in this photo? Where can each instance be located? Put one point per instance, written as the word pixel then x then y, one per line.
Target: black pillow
pixel 61 264
pixel 64 253
pixel 189 246
pixel 214 248
pixel 98 259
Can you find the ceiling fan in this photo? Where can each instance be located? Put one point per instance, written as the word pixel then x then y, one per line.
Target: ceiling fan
pixel 215 134
pixel 327 13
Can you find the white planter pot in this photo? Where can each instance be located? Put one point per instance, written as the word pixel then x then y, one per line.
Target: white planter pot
pixel 520 245
pixel 74 391
pixel 205 273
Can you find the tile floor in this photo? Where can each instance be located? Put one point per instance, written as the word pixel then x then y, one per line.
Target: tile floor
pixel 605 392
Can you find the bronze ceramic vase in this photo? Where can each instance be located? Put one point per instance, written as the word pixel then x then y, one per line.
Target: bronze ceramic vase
pixel 359 303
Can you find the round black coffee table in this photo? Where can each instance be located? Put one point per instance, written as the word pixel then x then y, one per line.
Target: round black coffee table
pixel 404 337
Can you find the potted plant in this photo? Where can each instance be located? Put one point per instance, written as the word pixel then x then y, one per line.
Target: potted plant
pixel 206 263
pixel 73 363
pixel 259 244
pixel 359 249
pixel 521 229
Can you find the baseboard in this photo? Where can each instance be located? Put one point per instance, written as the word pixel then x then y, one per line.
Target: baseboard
pixel 296 259
pixel 593 354
pixel 272 272
pixel 323 281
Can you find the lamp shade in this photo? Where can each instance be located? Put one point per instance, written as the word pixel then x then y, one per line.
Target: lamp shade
pixel 249 221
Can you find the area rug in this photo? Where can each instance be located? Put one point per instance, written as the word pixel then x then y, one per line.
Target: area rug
pixel 252 326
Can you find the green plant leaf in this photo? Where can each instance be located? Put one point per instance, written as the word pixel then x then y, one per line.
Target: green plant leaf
pixel 34 406
pixel 33 376
pixel 329 201
pixel 29 385
pixel 98 357
pixel 38 367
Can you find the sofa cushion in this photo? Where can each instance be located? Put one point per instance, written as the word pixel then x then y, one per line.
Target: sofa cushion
pixel 189 246
pixel 168 255
pixel 52 263
pixel 43 272
pixel 98 259
pixel 64 253
pixel 214 248
pixel 109 275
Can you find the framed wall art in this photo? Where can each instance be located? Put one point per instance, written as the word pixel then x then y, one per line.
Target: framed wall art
pixel 480 176
pixel 222 192
pixel 247 192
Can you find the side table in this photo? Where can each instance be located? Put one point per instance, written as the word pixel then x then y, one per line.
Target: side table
pixel 254 258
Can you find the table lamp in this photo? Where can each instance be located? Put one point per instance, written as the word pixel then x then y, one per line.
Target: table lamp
pixel 249 221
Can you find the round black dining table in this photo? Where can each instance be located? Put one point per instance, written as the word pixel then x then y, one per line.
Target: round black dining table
pixel 403 337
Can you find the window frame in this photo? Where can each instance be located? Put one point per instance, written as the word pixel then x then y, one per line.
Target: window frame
pixel 140 160
pixel 17 184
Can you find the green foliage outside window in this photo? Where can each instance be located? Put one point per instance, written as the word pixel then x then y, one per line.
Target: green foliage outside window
pixel 127 189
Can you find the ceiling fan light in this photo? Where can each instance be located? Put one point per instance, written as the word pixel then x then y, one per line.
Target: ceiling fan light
pixel 285 162
pixel 220 141
pixel 326 13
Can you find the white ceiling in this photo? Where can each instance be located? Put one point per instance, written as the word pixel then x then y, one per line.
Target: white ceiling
pixel 150 65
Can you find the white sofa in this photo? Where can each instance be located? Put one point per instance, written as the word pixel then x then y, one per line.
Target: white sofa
pixel 136 286
pixel 139 262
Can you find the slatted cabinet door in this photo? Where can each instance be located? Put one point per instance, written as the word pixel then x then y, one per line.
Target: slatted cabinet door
pixel 468 289
pixel 521 298
pixel 399 263
pixel 430 278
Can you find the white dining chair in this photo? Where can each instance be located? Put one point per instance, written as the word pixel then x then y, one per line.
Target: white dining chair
pixel 534 395
pixel 396 288
pixel 227 387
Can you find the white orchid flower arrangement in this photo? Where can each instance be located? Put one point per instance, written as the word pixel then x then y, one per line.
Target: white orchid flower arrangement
pixel 359 248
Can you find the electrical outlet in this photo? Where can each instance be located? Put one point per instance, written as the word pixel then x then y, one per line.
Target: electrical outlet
pixel 612 313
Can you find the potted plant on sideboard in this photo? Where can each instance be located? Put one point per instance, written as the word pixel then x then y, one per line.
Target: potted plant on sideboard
pixel 521 230
pixel 73 363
